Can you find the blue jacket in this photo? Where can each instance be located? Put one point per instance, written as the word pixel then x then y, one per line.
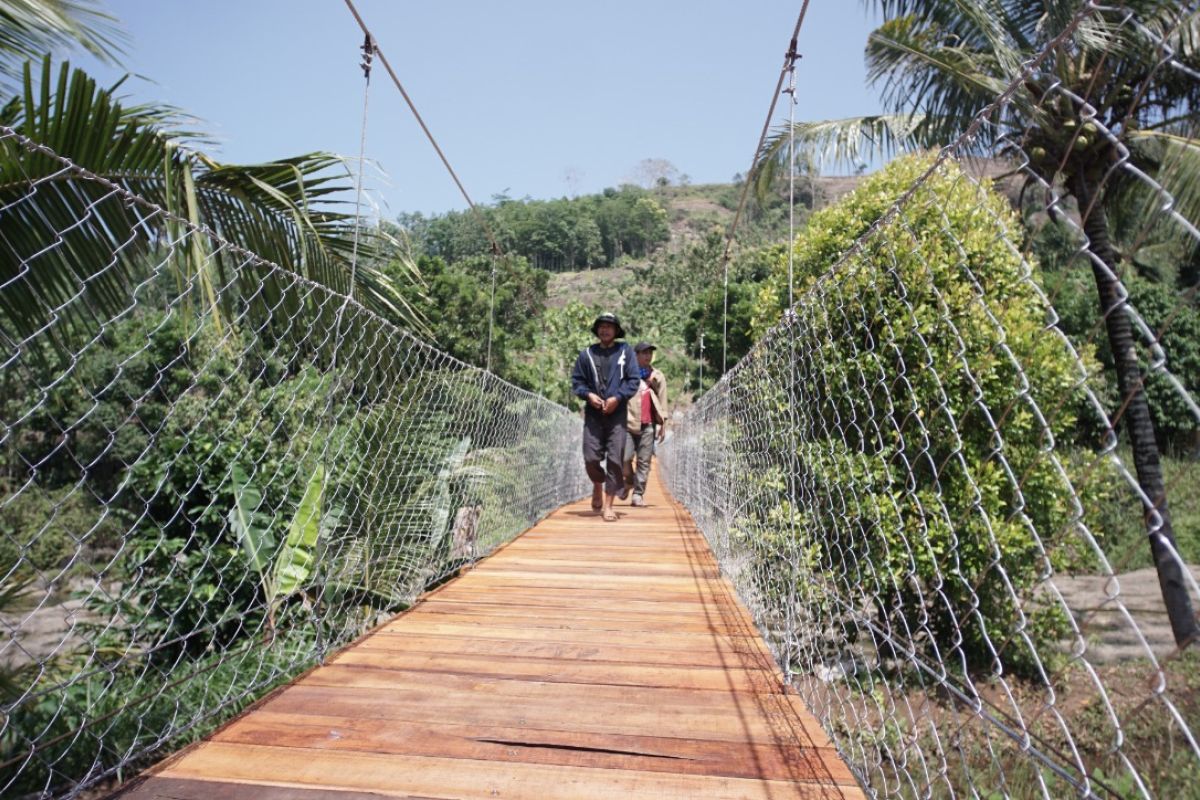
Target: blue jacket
pixel 622 379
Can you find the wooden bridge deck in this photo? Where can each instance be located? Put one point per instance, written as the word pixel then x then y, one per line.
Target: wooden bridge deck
pixel 584 660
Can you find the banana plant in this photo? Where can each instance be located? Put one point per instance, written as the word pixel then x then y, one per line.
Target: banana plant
pixel 283 568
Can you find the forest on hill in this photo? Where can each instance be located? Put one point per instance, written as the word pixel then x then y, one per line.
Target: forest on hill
pixel 651 255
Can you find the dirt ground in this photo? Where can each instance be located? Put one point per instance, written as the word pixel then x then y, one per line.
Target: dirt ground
pixel 1099 605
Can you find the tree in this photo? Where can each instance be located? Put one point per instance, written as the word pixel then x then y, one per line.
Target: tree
pixel 653 173
pixel 1104 95
pixel 456 299
pixel 725 322
pixel 278 210
pixel 559 336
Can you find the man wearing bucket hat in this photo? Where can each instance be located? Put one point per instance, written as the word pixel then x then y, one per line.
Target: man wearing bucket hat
pixel 605 376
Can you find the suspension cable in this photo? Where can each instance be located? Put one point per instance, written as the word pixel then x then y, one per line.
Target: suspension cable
pixel 491 314
pixel 788 61
pixel 368 50
pixel 790 317
pixel 421 121
pixel 791 92
pixel 479 215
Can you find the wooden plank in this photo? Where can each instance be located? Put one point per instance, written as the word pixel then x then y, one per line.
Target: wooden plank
pixel 584 660
pixel 724 657
pixel 586 570
pixel 758 718
pixel 591 600
pixel 687 677
pixel 696 623
pixel 153 787
pixel 524 744
pixel 582 595
pixel 412 685
pixel 515 629
pixel 405 776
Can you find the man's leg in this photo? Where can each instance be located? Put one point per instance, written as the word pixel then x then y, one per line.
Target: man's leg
pixel 645 452
pixel 593 456
pixel 630 452
pixel 614 484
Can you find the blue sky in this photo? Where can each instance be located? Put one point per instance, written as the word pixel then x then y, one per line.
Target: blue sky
pixel 520 94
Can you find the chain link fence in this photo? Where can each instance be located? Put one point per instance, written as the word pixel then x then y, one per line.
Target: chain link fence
pixel 213 472
pixel 957 482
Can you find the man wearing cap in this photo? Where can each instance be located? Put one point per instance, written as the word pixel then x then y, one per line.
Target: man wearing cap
pixel 645 421
pixel 605 376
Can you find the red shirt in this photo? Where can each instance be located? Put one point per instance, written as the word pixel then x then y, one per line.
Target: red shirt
pixel 646 417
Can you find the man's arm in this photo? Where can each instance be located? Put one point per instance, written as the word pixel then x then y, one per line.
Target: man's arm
pixel 631 377
pixel 660 389
pixel 579 378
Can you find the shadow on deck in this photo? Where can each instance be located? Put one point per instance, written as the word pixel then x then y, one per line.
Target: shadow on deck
pixel 584 660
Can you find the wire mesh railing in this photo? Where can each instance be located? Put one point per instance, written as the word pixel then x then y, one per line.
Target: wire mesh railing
pixel 212 472
pixel 956 483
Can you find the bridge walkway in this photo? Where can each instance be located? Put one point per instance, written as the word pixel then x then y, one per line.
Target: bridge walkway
pixel 583 660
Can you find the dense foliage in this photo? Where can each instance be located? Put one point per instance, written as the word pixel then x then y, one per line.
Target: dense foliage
pixel 455 299
pixel 924 336
pixel 222 498
pixel 556 235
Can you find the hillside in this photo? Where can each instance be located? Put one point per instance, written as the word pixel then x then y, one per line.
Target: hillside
pixel 595 288
pixel 693 211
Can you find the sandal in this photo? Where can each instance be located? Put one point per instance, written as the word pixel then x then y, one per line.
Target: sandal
pixel 609 515
pixel 597 501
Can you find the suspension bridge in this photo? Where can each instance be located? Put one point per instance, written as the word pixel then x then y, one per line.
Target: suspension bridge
pixel 261 541
pixel 616 651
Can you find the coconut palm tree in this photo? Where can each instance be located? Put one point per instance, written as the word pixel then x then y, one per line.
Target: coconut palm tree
pixel 62 226
pixel 1121 89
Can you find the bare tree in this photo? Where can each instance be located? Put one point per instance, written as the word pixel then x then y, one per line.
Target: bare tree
pixel 655 172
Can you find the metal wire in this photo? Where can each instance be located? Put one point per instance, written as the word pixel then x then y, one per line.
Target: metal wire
pixel 203 491
pixel 916 479
pixel 789 62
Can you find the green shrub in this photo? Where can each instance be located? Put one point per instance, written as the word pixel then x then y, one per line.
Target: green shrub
pixel 922 391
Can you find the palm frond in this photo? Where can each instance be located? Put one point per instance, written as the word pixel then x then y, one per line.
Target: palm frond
pixel 31 28
pixel 1175 155
pixel 927 70
pixel 846 142
pixel 285 212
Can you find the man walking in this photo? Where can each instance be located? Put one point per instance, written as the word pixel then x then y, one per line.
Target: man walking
pixel 606 376
pixel 645 421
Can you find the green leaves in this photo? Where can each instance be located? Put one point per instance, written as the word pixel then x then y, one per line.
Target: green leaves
pixel 283 570
pixel 295 561
pixel 75 250
pixel 914 348
pixel 31 28
pixel 849 141
pixel 250 526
